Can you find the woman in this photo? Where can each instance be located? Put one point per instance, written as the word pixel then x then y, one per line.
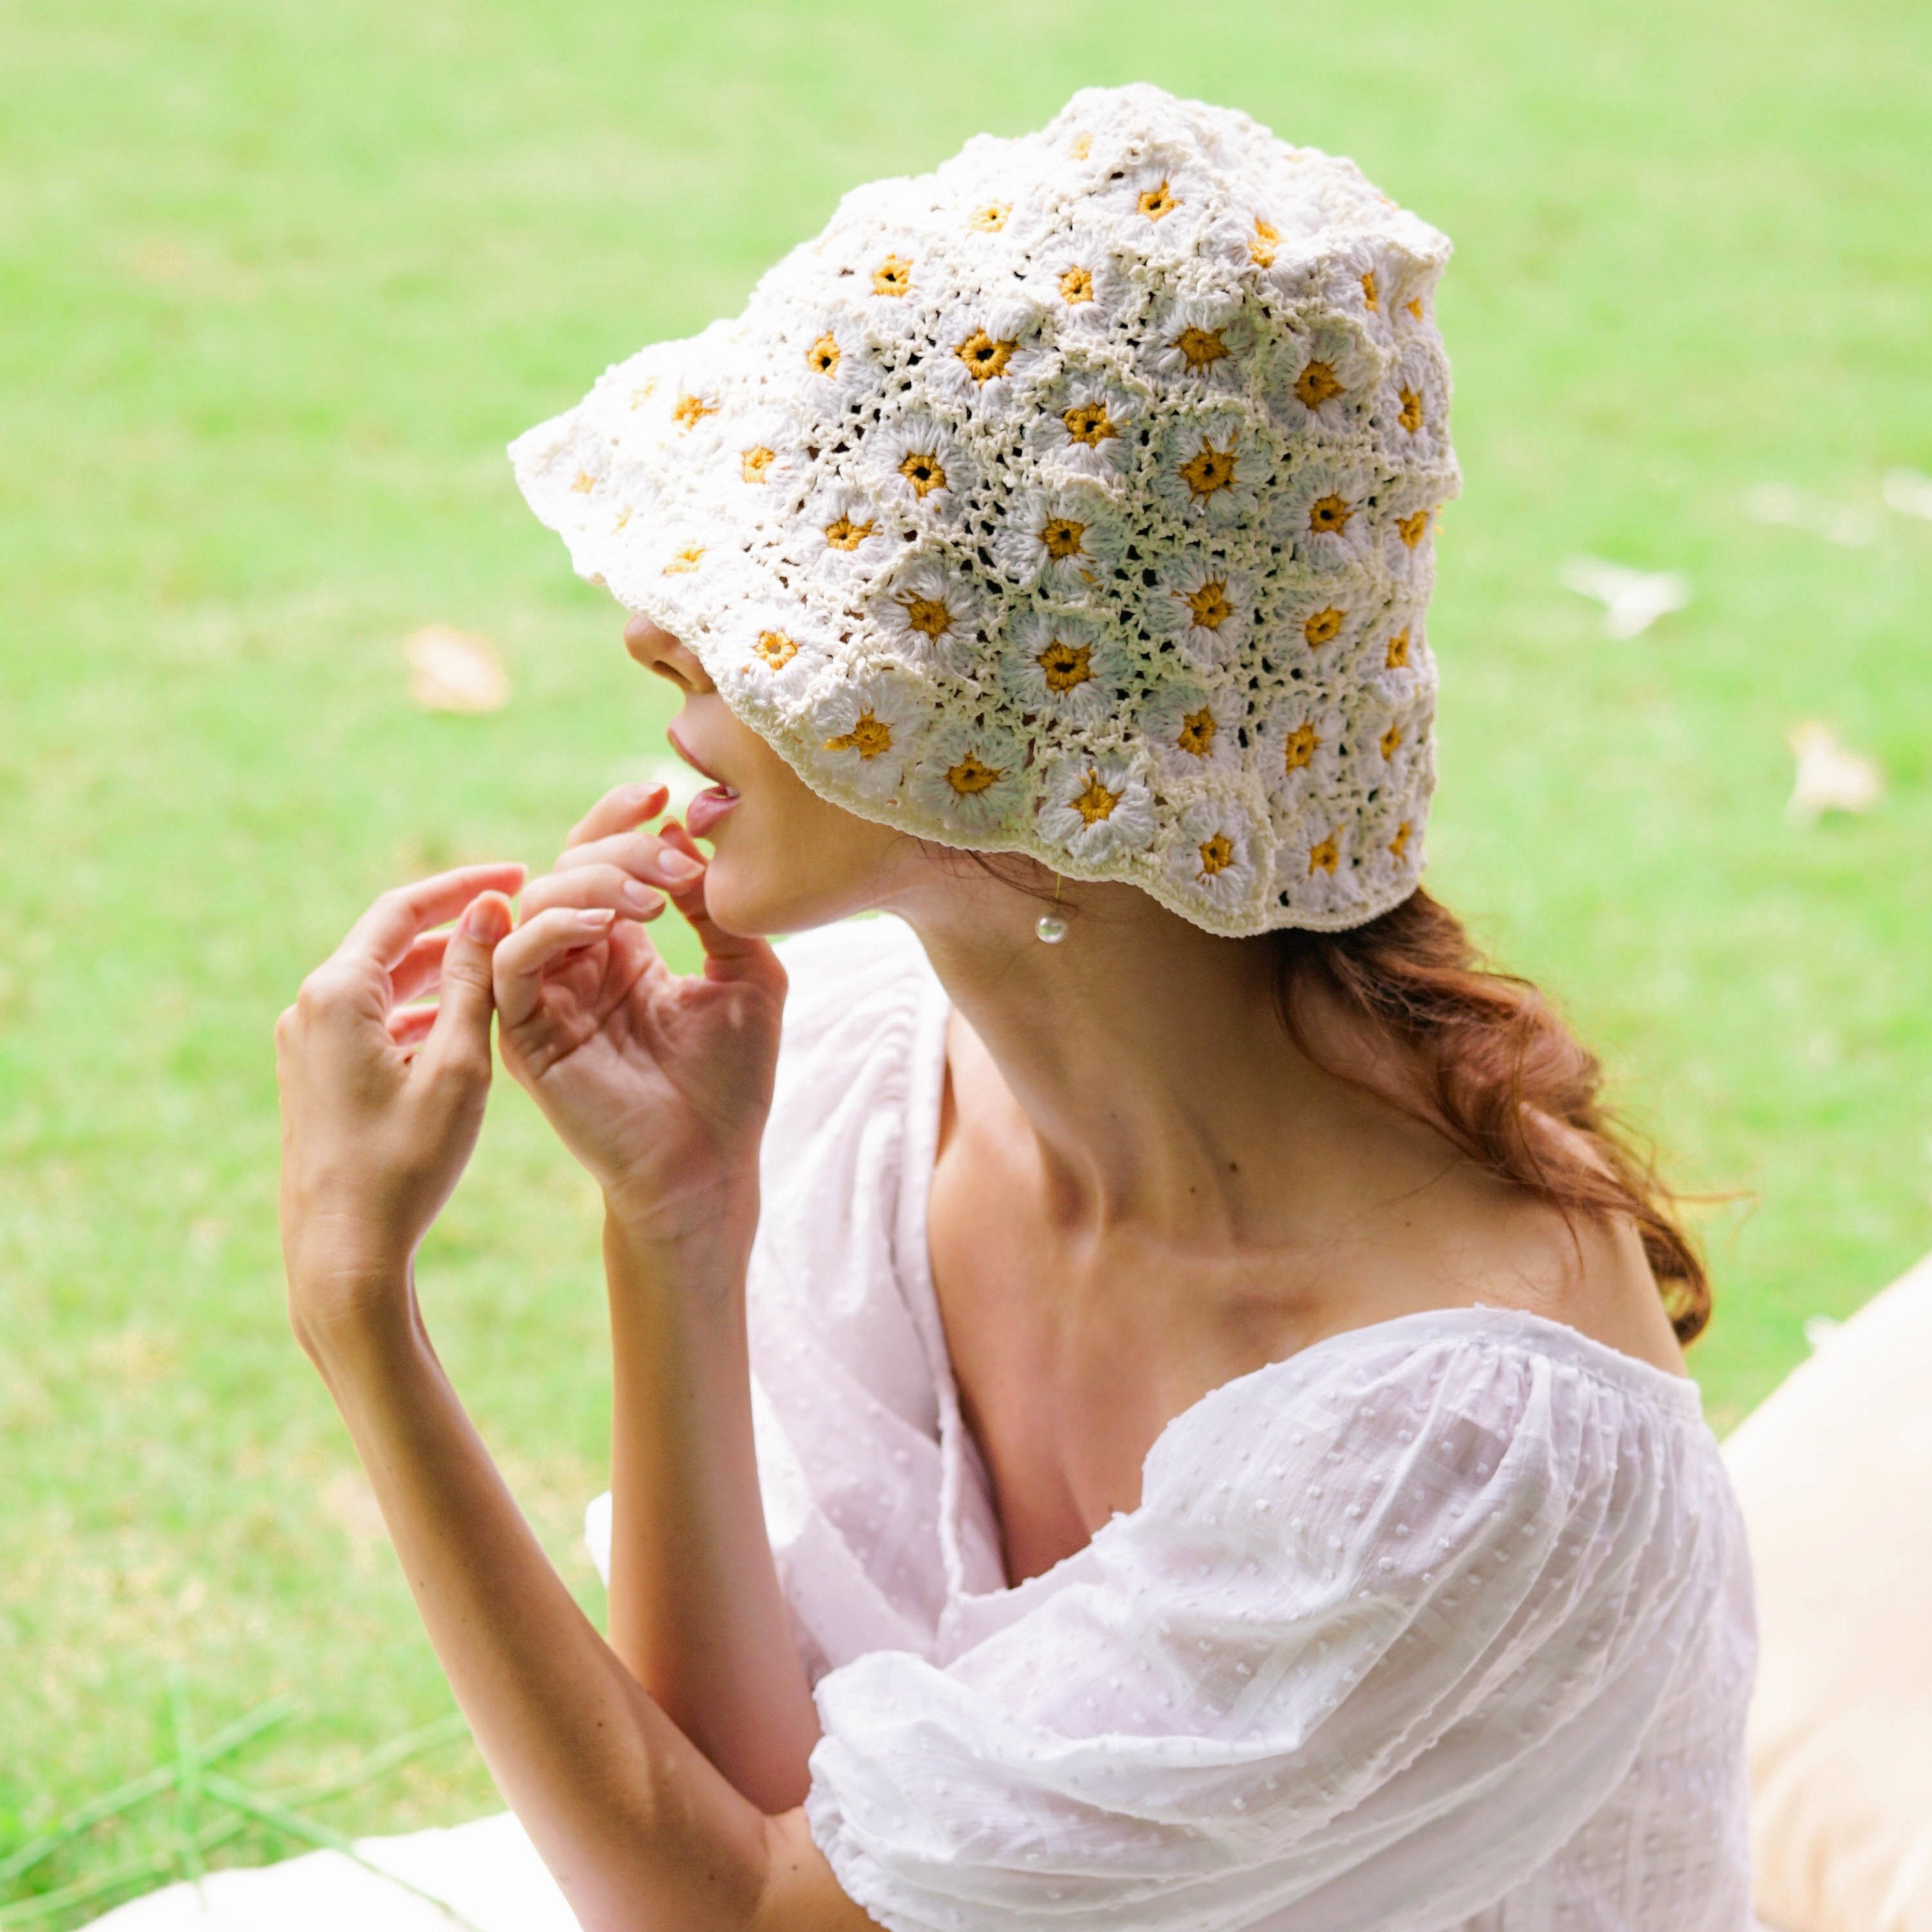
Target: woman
pixel 1145 1394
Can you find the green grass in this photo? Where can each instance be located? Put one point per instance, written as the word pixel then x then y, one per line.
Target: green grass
pixel 277 282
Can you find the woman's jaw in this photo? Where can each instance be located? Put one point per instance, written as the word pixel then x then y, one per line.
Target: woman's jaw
pixel 783 859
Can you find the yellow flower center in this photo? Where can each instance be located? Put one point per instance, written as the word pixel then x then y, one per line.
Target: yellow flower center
pixel 1324 627
pixel 644 392
pixel 776 648
pixel 1399 844
pixel 758 461
pixel 1390 741
pixel 1097 801
pixel 1209 606
pixel 623 518
pixel 1089 423
pixel 687 559
pixel 1082 147
pixel 1316 386
pixel 1299 748
pixel 1397 655
pixel 1076 285
pixel 1414 308
pixel 971 776
pixel 892 277
pixel 1197 732
pixel 1411 418
pixel 691 410
pixel 1210 470
pixel 869 737
pixel 842 533
pixel 1324 857
pixel 1415 528
pixel 1063 538
pixel 1066 665
pixel 1369 293
pixel 1328 516
pixel 928 616
pixel 1261 249
pixel 1217 854
pixel 1201 347
pixel 584 483
pixel 983 357
pixel 1158 201
pixel 924 473
pixel 991 218
pixel 822 358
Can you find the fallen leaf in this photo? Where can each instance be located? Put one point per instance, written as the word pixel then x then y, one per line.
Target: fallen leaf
pixel 1633 600
pixel 1830 777
pixel 455 670
pixel 1908 493
pixel 1850 524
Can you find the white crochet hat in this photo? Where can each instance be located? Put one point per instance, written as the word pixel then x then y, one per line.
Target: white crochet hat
pixel 1073 500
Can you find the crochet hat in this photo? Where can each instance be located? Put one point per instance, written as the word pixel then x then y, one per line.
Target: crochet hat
pixel 1074 499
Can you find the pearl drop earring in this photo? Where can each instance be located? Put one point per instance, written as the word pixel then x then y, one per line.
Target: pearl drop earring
pixel 1050 928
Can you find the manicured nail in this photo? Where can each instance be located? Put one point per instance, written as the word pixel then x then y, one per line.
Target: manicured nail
pixel 594 917
pixel 678 866
pixel 486 919
pixel 639 898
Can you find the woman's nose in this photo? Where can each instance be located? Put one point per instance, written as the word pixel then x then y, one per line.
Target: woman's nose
pixel 657 650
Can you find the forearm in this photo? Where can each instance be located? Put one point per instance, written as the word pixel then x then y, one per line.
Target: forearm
pixel 639 1828
pixel 696 1611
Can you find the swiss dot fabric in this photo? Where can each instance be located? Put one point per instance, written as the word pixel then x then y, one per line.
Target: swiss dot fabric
pixel 1445 1622
pixel 1075 499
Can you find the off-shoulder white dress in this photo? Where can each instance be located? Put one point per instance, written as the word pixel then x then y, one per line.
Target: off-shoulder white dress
pixel 1444 1622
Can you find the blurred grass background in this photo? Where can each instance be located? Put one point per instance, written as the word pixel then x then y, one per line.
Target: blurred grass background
pixel 277 283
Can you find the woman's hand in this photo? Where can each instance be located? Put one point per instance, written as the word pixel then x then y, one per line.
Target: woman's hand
pixel 658 1082
pixel 382 1100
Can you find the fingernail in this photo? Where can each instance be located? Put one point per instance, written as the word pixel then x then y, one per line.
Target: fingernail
pixel 485 919
pixel 595 917
pixel 639 898
pixel 678 866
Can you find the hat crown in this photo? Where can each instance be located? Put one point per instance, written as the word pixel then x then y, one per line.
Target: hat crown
pixel 1075 498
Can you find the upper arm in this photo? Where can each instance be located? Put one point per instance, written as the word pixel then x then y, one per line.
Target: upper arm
pixel 801 1893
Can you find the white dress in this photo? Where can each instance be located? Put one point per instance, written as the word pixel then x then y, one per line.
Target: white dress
pixel 1445 1622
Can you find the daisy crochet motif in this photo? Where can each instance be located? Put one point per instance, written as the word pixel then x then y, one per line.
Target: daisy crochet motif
pixel 1077 499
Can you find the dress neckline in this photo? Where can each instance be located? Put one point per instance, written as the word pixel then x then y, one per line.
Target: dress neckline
pixel 969 1541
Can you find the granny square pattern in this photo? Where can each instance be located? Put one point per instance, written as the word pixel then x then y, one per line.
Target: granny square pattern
pixel 1076 499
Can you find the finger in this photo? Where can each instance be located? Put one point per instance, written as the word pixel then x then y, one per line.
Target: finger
pixel 458 1040
pixel 592 885
pixel 415 972
pixel 728 956
pixel 408 1026
pixel 643 854
pixel 521 958
pixel 619 809
pixel 384 933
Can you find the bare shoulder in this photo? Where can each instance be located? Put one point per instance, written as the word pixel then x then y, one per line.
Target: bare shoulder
pixel 1510 1249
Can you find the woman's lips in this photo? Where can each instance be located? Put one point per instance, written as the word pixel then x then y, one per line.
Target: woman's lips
pixel 710 804
pixel 707 809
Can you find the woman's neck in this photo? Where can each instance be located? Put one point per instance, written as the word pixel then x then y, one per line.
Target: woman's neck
pixel 1148 1060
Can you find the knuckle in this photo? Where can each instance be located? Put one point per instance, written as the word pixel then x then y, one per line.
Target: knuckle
pixel 318 990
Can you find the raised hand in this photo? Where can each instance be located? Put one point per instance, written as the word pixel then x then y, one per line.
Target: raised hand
pixel 382 1101
pixel 658 1081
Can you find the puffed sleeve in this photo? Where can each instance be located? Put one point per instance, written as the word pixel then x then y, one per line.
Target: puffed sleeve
pixel 1379 1633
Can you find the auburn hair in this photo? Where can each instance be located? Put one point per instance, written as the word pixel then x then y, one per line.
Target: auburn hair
pixel 1491 1060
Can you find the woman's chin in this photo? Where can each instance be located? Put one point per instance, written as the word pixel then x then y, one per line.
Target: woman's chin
pixel 747 902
